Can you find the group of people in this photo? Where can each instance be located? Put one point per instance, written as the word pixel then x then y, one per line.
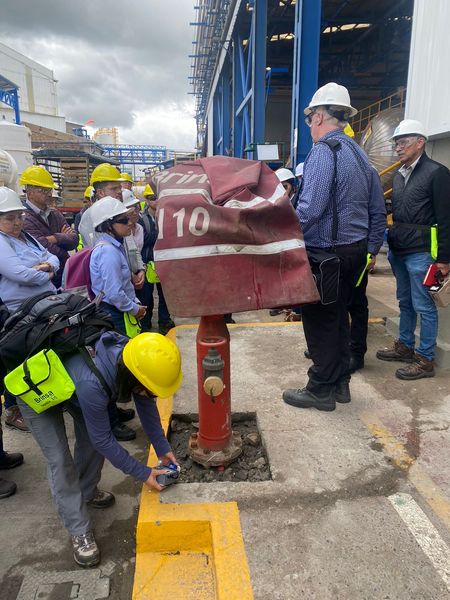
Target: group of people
pixel 141 368
pixel 337 172
pixel 338 199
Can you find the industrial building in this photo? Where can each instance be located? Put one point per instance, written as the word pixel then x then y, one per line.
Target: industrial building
pixel 257 63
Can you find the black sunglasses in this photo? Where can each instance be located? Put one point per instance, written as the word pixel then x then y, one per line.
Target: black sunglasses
pixel 122 221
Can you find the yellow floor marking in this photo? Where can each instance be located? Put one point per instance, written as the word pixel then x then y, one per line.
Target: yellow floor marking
pixel 397 452
pixel 372 320
pixel 188 551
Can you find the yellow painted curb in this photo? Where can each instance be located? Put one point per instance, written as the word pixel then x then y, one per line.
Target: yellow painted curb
pixel 188 551
pixel 397 452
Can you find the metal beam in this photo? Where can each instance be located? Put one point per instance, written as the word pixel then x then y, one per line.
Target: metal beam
pixel 306 66
pixel 258 58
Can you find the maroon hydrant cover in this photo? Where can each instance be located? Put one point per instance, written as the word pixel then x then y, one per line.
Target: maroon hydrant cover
pixel 229 239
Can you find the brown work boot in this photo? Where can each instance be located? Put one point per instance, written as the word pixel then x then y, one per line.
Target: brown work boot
pixel 14 419
pixel 398 352
pixel 420 367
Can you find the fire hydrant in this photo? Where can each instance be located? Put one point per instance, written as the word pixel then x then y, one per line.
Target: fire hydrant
pixel 215 444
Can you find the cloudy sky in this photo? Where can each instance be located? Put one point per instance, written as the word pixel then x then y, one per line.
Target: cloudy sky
pixel 120 63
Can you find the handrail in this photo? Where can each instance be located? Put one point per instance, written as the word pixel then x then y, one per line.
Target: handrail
pixel 363 117
pixel 390 168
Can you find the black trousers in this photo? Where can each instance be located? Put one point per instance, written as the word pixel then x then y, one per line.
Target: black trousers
pixel 358 309
pixel 327 328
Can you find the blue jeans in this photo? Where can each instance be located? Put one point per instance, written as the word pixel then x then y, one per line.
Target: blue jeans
pixel 414 299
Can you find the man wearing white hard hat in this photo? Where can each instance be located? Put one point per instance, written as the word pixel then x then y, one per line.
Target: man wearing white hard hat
pixel 342 213
pixel 419 236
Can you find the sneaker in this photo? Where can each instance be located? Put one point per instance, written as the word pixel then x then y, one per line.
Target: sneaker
pixel 398 352
pixel 419 368
pixel 304 398
pixel 85 550
pixel 7 488
pixel 125 414
pixel 342 392
pixel 14 419
pixel 123 433
pixel 10 460
pixel 273 312
pixel 101 499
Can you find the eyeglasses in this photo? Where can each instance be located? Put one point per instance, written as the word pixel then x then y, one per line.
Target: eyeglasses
pixel 404 142
pixel 11 218
pixel 122 221
pixel 42 190
pixel 308 118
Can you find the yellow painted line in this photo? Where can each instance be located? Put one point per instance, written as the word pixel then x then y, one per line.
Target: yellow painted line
pixel 397 452
pixel 188 551
pixel 268 324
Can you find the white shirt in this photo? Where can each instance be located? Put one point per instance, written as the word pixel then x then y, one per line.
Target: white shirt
pixel 406 171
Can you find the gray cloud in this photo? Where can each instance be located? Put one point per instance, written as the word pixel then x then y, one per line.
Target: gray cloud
pixel 115 62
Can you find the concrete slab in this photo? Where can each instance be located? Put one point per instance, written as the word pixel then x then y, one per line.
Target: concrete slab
pixel 324 527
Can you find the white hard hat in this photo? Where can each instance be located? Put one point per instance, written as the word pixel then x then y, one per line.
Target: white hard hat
pixel 9 200
pixel 106 208
pixel 129 199
pixel 284 174
pixel 409 127
pixel 299 170
pixel 331 94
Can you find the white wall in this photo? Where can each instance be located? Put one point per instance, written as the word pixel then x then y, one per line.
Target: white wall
pixel 37 86
pixel 428 94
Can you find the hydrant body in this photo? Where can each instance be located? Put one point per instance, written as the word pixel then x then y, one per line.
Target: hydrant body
pixel 215 444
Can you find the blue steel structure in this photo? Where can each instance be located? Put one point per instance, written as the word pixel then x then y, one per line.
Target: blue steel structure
pixel 136 155
pixel 9 95
pixel 257 63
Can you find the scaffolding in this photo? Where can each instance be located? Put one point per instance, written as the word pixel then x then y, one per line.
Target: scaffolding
pixel 212 16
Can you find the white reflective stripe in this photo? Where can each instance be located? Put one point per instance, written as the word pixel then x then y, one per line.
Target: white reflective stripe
pixel 185 192
pixel 278 193
pixel 227 250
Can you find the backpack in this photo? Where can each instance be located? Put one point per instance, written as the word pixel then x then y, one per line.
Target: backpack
pixel 64 322
pixel 77 271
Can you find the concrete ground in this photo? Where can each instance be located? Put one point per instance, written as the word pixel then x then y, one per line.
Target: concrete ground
pixel 359 504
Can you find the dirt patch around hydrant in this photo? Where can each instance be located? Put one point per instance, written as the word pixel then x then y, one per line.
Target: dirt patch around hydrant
pixel 252 465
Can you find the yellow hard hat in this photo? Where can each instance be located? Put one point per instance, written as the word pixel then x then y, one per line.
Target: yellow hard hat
pixel 148 190
pixel 349 131
pixel 38 176
pixel 88 192
pixel 155 361
pixel 105 172
pixel 126 177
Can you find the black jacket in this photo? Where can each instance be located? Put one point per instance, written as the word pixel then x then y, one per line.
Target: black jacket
pixel 424 201
pixel 150 234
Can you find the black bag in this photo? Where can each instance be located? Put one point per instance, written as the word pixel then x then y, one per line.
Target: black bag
pixel 326 266
pixel 65 322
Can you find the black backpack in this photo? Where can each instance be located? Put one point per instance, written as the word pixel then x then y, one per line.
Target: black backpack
pixel 64 322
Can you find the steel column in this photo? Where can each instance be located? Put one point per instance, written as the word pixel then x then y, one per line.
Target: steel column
pixel 258 58
pixel 306 67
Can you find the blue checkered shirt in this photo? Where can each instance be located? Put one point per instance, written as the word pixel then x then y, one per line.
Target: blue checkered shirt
pixel 359 196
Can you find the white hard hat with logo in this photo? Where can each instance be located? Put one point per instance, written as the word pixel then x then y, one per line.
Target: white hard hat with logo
pixel 9 200
pixel 129 199
pixel 105 209
pixel 409 127
pixel 284 174
pixel 331 94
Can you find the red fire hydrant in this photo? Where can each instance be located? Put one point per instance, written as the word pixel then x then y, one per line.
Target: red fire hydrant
pixel 215 444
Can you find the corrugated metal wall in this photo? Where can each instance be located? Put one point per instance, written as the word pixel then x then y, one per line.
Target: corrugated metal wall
pixel 428 95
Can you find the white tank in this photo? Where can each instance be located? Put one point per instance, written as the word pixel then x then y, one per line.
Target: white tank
pixel 16 140
pixel 8 170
